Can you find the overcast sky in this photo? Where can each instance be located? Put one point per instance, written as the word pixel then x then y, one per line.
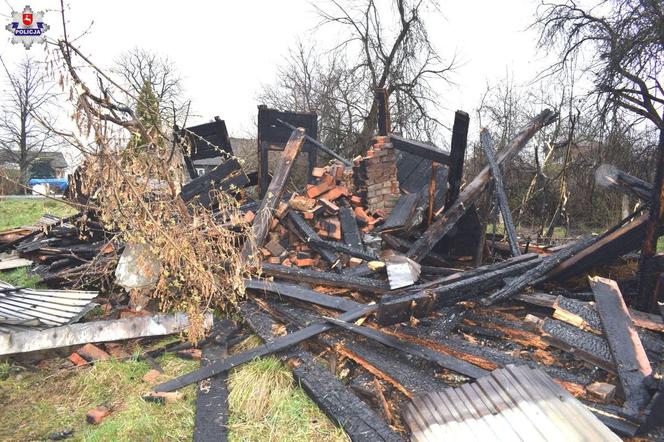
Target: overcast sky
pixel 227 50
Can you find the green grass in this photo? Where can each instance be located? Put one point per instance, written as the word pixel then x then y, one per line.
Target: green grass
pixel 20 212
pixel 265 404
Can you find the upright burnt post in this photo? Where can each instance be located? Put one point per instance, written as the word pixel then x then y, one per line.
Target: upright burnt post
pixel 457 154
pixel 649 272
pixel 383 105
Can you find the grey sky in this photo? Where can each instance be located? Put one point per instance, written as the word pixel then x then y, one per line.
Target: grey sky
pixel 226 50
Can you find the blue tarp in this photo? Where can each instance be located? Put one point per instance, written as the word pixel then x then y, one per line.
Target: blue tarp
pixel 60 183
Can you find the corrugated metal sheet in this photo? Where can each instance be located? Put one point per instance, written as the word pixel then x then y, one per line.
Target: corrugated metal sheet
pixel 510 404
pixel 22 308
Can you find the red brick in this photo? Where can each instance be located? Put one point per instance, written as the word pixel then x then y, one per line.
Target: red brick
pixel 96 415
pixel 91 352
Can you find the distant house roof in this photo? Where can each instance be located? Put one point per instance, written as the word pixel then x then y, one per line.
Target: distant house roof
pixel 55 159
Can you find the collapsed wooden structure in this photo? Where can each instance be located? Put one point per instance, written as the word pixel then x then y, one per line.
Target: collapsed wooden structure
pixel 366 277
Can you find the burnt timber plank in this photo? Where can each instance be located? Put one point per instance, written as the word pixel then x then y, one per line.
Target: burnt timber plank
pixel 211 419
pixel 538 274
pixel 474 189
pixel 337 402
pixel 626 348
pixel 261 225
pixel 445 361
pixel 326 278
pixel 222 177
pixel 420 149
pixel 499 185
pixel 318 144
pixel 481 355
pixel 402 213
pixel 343 248
pixel 301 294
pixel 349 229
pixel 457 155
pixel 432 296
pixel 406 374
pixel 584 315
pixel 615 242
pixel 583 345
pixel 279 344
pixel 308 235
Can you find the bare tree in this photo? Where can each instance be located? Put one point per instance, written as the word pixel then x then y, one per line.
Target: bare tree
pixel 622 42
pixel 25 115
pixel 139 66
pixel 383 46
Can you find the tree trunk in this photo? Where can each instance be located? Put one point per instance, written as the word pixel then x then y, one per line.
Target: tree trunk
pixel 647 300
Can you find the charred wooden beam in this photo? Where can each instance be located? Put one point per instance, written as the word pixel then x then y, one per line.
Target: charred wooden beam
pixel 449 290
pixel 609 176
pixel 301 294
pixel 457 156
pixel 383 106
pixel 349 229
pixel 402 214
pixel 261 225
pixel 624 238
pixel 325 278
pixel 445 361
pixel 583 345
pixel 279 344
pixel 420 149
pixel 318 144
pixel 343 407
pixel 628 354
pixel 537 274
pixel 474 189
pixel 397 369
pixel 211 419
pixel 499 184
pixel 309 235
pixel 223 177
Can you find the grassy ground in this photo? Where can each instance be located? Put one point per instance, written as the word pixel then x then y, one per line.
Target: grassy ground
pixel 265 403
pixel 19 212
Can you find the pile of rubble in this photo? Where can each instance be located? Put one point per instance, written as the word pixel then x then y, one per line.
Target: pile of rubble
pixel 366 293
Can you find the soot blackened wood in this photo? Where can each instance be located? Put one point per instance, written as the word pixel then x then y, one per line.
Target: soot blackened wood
pixel 474 189
pixel 538 274
pixel 349 229
pixel 615 242
pixel 402 213
pixel 221 177
pixel 481 355
pixel 450 290
pixel 398 369
pixel 420 149
pixel 445 361
pixel 499 184
pixel 581 344
pixel 211 420
pixel 309 235
pixel 383 106
pixel 343 407
pixel 343 248
pixel 325 278
pixel 457 155
pixel 261 224
pixel 302 294
pixel 628 354
pixel 584 315
pixel 279 344
pixel 318 144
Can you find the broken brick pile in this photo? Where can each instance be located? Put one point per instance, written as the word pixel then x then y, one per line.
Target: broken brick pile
pixel 375 177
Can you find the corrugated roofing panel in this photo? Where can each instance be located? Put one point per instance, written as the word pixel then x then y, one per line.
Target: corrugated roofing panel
pixel 512 403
